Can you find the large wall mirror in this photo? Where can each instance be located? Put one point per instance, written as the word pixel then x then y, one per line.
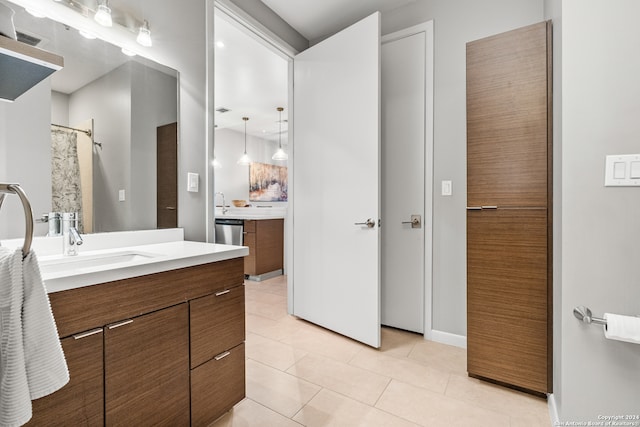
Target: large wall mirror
pixel 112 148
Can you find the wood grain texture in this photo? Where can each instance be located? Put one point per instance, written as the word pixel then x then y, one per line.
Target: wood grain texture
pixel 507 296
pixel 28 50
pixel 250 260
pixel 81 401
pixel 81 309
pixel 217 324
pixel 216 386
pixel 269 245
pixel 147 370
pixel 509 250
pixel 507 118
pixel 167 176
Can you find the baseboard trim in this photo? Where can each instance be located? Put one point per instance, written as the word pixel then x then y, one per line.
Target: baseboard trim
pixel 553 410
pixel 448 338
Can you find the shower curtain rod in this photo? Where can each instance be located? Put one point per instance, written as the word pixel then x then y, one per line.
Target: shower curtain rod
pixel 85 131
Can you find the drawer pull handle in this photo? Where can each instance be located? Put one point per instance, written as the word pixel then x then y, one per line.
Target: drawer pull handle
pixel 218 294
pixel 117 325
pixel 87 334
pixel 222 355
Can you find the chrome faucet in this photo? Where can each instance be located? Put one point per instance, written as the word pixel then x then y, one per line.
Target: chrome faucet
pixel 224 207
pixel 71 239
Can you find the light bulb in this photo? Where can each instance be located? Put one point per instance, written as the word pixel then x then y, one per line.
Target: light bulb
pixel 103 16
pixel 144 35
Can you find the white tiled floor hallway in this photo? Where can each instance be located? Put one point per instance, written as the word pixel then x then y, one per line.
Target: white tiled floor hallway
pixel 301 374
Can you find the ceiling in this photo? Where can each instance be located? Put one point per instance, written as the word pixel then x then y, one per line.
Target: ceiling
pixel 317 19
pixel 251 81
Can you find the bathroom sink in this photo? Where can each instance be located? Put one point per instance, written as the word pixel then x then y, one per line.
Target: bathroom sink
pixel 57 264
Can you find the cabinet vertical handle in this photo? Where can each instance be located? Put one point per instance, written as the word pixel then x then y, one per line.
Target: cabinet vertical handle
pixel 87 334
pixel 117 325
pixel 222 355
pixel 218 294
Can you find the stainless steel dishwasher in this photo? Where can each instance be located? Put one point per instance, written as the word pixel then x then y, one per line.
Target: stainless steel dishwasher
pixel 229 231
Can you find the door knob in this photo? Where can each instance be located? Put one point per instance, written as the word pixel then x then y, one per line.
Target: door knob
pixel 369 223
pixel 416 221
pixel 171 208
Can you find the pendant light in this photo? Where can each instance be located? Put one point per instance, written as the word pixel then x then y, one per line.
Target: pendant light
pixel 280 154
pixel 245 160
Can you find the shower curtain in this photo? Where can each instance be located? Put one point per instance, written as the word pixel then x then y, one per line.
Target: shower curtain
pixel 66 194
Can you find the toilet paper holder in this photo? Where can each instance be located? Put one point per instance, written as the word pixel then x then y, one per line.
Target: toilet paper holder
pixel 584 314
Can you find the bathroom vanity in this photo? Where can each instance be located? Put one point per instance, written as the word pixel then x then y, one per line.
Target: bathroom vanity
pixel 148 343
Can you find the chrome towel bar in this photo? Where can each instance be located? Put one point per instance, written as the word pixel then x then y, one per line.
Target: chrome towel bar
pixel 28 213
pixel 584 314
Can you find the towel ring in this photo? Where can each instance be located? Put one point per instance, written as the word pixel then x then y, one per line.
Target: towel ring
pixel 28 213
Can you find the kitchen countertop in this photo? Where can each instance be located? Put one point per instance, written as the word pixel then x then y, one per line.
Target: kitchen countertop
pixel 252 213
pixel 105 257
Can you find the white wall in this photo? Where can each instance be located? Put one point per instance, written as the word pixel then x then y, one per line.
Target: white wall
pixel 600 225
pixel 233 179
pixel 149 88
pixel 22 138
pixel 111 163
pixel 59 108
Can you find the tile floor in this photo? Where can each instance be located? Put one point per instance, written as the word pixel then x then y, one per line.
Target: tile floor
pixel 301 374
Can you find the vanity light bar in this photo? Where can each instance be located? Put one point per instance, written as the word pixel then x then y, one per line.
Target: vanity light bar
pixel 139 27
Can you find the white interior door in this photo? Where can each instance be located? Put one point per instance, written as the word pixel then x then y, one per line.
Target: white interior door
pixel 406 171
pixel 336 154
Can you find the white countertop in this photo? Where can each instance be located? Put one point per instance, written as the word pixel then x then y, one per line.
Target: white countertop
pixel 105 257
pixel 252 213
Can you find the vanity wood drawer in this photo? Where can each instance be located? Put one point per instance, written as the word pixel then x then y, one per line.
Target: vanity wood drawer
pixel 217 385
pixel 94 306
pixel 217 324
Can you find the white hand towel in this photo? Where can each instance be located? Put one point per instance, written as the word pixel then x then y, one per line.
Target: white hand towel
pixel 622 328
pixel 45 364
pixel 15 401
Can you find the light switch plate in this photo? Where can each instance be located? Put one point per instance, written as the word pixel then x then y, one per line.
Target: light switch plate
pixel 622 170
pixel 121 195
pixel 192 182
pixel 447 188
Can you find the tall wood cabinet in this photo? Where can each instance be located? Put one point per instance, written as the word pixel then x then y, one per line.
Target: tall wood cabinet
pixel 509 209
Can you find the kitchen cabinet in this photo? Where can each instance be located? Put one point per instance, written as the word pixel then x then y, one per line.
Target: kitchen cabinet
pixel 81 401
pixel 146 362
pixel 509 213
pixel 265 239
pixel 141 342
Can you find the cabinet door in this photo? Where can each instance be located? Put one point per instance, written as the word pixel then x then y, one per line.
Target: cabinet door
pixel 147 369
pixel 217 385
pixel 507 329
pixel 217 324
pixel 81 401
pixel 508 104
pixel 250 260
pixel 269 245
